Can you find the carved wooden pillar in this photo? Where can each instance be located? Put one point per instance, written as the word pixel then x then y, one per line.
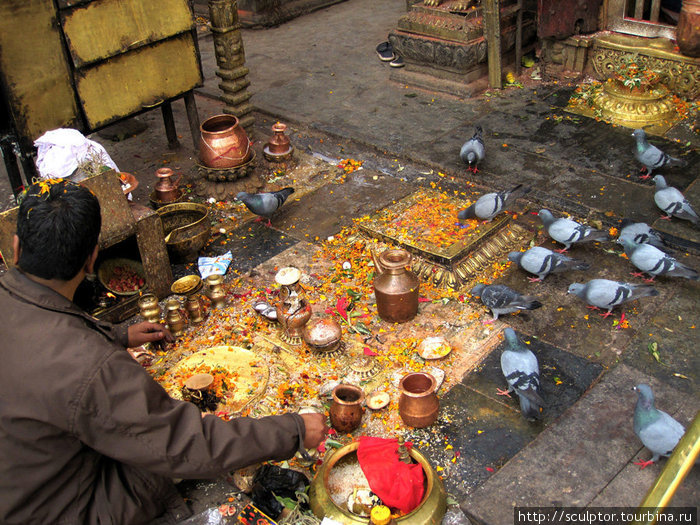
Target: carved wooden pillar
pixel 492 32
pixel 230 57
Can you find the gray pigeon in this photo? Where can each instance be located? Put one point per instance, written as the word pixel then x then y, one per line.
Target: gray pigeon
pixel 650 156
pixel 607 294
pixel 264 204
pixel 640 232
pixel 672 202
pixel 657 431
pixel 473 150
pixel 655 262
pixel 503 300
pixel 569 232
pixel 491 204
pixel 542 262
pixel 519 366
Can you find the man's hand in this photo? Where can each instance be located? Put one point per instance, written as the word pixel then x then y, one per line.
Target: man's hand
pixel 316 429
pixel 146 332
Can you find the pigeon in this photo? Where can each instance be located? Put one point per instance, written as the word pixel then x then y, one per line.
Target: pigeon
pixel 655 262
pixel 569 232
pixel 522 372
pixel 473 151
pixel 672 201
pixel 503 300
pixel 488 206
pixel 542 262
pixel 607 294
pixel 264 204
pixel 657 431
pixel 640 232
pixel 651 156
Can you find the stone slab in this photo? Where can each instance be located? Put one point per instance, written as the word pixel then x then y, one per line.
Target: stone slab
pixel 671 327
pixel 573 461
pixel 484 434
pixel 564 377
pixel 251 245
pixel 326 210
pixel 565 321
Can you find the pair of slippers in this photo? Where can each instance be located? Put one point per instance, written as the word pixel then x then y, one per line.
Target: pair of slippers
pixel 385 52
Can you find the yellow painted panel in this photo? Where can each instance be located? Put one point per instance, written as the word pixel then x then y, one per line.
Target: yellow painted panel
pixel 34 68
pixel 104 28
pixel 133 81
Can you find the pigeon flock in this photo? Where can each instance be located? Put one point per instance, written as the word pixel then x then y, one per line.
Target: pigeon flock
pixel 642 245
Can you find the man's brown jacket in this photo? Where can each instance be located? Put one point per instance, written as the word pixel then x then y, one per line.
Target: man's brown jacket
pixel 87 436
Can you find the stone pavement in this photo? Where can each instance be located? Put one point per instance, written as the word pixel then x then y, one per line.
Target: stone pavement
pixel 319 74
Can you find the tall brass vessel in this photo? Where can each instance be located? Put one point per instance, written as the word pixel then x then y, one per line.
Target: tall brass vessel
pixel 395 286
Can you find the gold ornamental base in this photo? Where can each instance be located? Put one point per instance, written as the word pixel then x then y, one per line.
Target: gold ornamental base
pixel 651 109
pixel 449 265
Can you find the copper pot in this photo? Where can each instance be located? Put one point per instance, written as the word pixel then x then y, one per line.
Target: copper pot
pixel 395 286
pixel 346 408
pixel 418 404
pixel 688 29
pixel 223 143
pixel 322 334
pixel 279 142
pixel 166 189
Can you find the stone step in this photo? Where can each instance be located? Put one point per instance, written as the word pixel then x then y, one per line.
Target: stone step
pixel 586 458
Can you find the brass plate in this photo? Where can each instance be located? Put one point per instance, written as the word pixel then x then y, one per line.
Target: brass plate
pixel 248 372
pixel 186 285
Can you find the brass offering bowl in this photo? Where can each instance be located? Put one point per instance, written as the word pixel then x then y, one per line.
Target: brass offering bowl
pixel 188 285
pixel 322 334
pixel 430 511
pixel 186 228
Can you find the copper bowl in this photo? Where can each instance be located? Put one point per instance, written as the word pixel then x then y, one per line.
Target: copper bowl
pixel 186 228
pixel 322 334
pixel 429 511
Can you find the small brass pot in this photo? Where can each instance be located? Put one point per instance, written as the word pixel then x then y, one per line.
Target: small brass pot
pixel 418 404
pixel 429 511
pixel 346 408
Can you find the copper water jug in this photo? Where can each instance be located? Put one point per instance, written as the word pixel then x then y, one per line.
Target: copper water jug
pixel 346 408
pixel 166 189
pixel 223 143
pixel 279 142
pixel 395 286
pixel 418 404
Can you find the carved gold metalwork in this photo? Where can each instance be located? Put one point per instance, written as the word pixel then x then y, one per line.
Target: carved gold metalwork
pixel 681 74
pixel 454 265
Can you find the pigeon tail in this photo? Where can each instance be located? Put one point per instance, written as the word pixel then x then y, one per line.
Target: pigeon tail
pixel 530 403
pixel 528 303
pixel 643 290
pixel 684 271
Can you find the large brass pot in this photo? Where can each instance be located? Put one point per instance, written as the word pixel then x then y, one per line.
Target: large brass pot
pixel 223 143
pixel 186 228
pixel 395 286
pixel 430 511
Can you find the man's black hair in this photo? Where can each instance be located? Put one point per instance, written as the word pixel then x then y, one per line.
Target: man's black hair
pixel 58 227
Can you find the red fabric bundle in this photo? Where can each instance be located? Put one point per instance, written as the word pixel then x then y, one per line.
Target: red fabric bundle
pixel 398 484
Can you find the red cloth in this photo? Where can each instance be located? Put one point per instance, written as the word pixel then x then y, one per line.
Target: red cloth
pixel 398 484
